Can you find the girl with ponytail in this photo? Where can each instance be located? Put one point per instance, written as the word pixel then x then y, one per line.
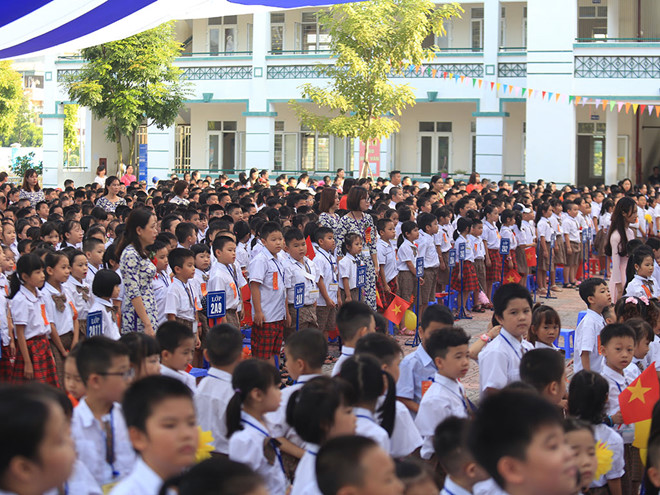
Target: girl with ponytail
pixel 256 392
pixel 406 256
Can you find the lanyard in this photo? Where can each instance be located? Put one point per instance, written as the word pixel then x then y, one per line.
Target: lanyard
pixel 165 279
pixel 332 264
pixel 463 398
pixel 190 298
pixel 511 345
pixel 619 386
pixel 110 445
pixel 233 274
pixel 366 417
pixel 277 265
pixel 265 433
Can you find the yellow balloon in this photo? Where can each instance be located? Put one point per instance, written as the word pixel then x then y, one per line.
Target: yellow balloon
pixel 410 320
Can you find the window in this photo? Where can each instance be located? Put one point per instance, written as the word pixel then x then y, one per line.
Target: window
pixel 503 27
pixel 524 28
pixel 286 150
pixel 221 145
pixel 442 42
pixel 222 35
pixel 592 22
pixel 276 32
pixel 477 29
pixel 434 147
pixel 314 150
pixel 473 136
pixel 312 36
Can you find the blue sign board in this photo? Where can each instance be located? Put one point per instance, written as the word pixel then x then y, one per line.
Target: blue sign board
pixel 361 276
pixel 142 164
pixel 553 239
pixel 419 266
pixel 215 304
pixel 461 252
pixel 94 324
pixel 505 247
pixel 299 295
pixel 452 257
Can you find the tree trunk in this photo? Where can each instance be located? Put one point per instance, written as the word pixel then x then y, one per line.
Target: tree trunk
pixel 131 150
pixel 120 153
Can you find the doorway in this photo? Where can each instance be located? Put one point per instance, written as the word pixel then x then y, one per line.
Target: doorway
pixel 590 159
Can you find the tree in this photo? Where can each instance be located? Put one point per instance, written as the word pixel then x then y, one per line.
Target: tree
pixel 24 131
pixel 11 95
pixel 131 81
pixel 23 163
pixel 372 41
pixel 71 134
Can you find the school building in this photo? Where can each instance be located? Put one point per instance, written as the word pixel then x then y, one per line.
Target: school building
pixel 245 69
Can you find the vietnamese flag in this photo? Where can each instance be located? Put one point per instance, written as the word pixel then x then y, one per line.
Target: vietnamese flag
pixel 310 248
pixel 396 310
pixel 637 400
pixel 512 277
pixel 530 256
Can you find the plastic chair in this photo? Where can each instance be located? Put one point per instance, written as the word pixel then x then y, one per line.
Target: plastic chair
pixel 451 300
pixel 581 315
pixel 496 285
pixel 469 303
pixel 559 275
pixel 594 266
pixel 566 341
pixel 531 283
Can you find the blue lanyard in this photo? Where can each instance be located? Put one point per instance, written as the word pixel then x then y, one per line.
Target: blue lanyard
pixel 332 264
pixel 619 386
pixel 311 453
pixel 267 435
pixel 277 265
pixel 190 298
pixel 233 275
pixel 511 345
pixel 366 417
pixel 165 278
pixel 115 473
pixel 462 398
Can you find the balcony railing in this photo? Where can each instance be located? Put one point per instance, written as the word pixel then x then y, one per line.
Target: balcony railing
pixel 617 40
pixel 216 54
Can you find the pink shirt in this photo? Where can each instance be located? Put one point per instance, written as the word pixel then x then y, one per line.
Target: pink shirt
pixel 618 262
pixel 126 179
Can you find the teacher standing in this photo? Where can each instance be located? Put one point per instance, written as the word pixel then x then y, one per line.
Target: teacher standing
pixel 620 233
pixel 358 221
pixel 138 309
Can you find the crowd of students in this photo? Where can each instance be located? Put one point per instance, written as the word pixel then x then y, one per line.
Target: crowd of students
pixel 98 300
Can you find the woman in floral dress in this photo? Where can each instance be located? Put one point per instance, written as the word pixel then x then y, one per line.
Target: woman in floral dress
pixel 138 309
pixel 327 207
pixel 30 189
pixel 111 200
pixel 361 223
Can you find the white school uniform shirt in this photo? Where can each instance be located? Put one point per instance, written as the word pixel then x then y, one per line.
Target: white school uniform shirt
pixel 544 229
pixel 452 488
pixel 635 368
pixel 555 223
pixel 72 289
pixel 571 227
pixel 4 320
pixel 508 233
pixel 387 257
pixel 540 345
pixel 346 352
pixel 499 362
pixel 528 232
pixel 637 286
pixel 185 378
pixel 642 224
pixel 406 252
pixel 63 320
pixel 469 248
pixel 477 246
pixel 91 273
pixel 595 208
pixel 445 397
pixel 142 480
pixel 656 273
pixel 491 235
pixel 654 353
pixel 230 279
pixel 586 339
pixel 276 420
pixel 348 269
pixel 81 482
pixel 430 253
pixel 415 368
pixel 443 239
pixel 405 437
pixel 30 310
pixel 304 482
pixel 297 272
pixel 109 326
pixel 614 442
pixel 200 284
pixel 326 264
pixel 211 398
pixel 247 446
pixel 618 384
pixel 604 221
pixel 265 268
pixel 488 487
pixel 242 256
pixel 89 436
pixel 160 284
pixel 367 426
pixel 181 301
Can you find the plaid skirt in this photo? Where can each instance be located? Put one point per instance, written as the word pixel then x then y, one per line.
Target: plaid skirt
pixel 326 318
pixel 470 281
pixel 266 339
pixel 43 363
pixel 386 298
pixel 634 470
pixel 494 271
pixel 6 366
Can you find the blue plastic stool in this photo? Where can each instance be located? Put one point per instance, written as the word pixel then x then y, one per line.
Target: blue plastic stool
pixel 566 341
pixel 531 283
pixel 581 315
pixel 469 303
pixel 247 335
pixel 559 275
pixel 198 372
pixel 451 300
pixel 496 285
pixel 391 328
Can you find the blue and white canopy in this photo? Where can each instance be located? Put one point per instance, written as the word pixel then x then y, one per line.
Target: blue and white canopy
pixel 29 27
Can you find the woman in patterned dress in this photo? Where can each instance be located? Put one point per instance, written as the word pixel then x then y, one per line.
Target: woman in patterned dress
pixel 360 222
pixel 138 309
pixel 111 200
pixel 30 189
pixel 327 207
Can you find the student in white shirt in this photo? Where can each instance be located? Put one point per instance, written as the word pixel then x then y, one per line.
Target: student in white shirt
pixel 227 275
pixel 443 241
pixel 162 280
pixel 642 283
pixel 160 416
pixel 102 316
pixel 544 233
pixel 94 249
pixel 256 385
pixel 176 351
pixel 326 264
pixel 479 250
pixel 499 362
pixel 77 289
pixel 407 254
pixel 98 420
pixel 572 241
pixel 545 328
pixel 387 280
pixel 596 294
pixel 354 320
pixel 181 303
pixel 464 276
pixel 491 238
pixel 428 228
pixel 352 250
pixel 200 281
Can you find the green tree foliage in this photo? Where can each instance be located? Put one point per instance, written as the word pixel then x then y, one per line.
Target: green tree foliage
pixel 11 96
pixel 23 163
pixel 130 81
pixel 71 143
pixel 372 41
pixel 24 131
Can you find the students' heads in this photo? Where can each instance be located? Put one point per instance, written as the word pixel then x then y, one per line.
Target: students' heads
pixel 94 250
pixel 587 396
pixel 448 348
pixel 305 352
pixel 202 254
pixel 73 384
pixel 325 238
pixel 512 308
pixel 417 478
pixel 295 243
pixel 643 336
pixel 186 233
pixel 104 368
pixel 545 370
pixel 595 293
pixel 518 438
pixel 435 317
pixel 224 249
pixel 450 442
pixel 29 271
pixel 354 319
pixel 106 284
pixel 580 438
pixel 545 325
pixel 177 345
pixel 271 237
pixel 617 345
pixel 352 244
pixel 224 344
pixel 182 263
pixel 143 352
pixel 161 422
pixel 356 465
pixel 385 349
pixel 38 452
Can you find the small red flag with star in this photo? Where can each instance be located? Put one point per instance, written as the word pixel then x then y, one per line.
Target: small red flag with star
pixel 512 277
pixel 310 248
pixel 637 400
pixel 396 310
pixel 530 256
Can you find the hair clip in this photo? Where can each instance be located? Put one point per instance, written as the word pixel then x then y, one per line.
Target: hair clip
pixel 644 299
pixel 631 300
pixel 237 390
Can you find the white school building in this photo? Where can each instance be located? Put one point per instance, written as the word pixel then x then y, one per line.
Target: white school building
pixel 245 69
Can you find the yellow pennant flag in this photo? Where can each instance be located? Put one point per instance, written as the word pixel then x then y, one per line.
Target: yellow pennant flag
pixel 635 107
pixel 498 87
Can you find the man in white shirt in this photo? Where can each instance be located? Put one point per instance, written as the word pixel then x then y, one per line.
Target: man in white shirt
pixel 395 181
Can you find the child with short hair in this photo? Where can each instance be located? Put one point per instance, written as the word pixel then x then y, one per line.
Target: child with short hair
pixel 352 258
pixel 222 350
pixel 443 240
pixel 499 362
pixel 94 249
pixel 326 264
pixel 509 437
pixel 177 344
pixel 160 251
pixel 428 227
pixel 596 295
pixel 417 478
pixel 143 352
pixel 98 426
pixel 105 288
pixel 186 234
pixel 545 327
pixel 479 249
pixel 571 231
pixel 417 369
pixel 269 308
pixel 464 278
pixel 227 275
pixel 77 289
pixel 407 254
pixel 73 384
pixel 181 303
pixel 609 315
pixel 354 320
pixel 256 392
pixel 544 369
pixel 387 280
pixel 446 396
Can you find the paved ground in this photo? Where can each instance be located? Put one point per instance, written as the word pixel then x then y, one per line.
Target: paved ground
pixel 568 304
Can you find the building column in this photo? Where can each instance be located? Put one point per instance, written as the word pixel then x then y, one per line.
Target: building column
pixel 160 152
pixel 53 148
pixel 259 140
pixel 490 144
pixel 612 18
pixel 611 147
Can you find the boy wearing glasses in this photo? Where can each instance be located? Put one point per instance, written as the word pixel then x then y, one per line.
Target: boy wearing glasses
pixel 98 427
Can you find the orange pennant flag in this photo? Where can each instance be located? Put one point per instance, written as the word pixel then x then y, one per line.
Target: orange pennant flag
pixel 462 78
pixel 529 92
pixel 310 248
pixel 627 107
pixel 557 96
pixel 480 81
pixel 657 110
pixel 577 100
pixel 434 72
pixel 605 103
pixel 395 311
pixel 510 89
pixel 637 400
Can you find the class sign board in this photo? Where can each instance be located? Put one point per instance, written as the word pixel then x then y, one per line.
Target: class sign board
pixel 452 257
pixel 505 246
pixel 361 278
pixel 461 252
pixel 215 304
pixel 419 267
pixel 94 324
pixel 299 295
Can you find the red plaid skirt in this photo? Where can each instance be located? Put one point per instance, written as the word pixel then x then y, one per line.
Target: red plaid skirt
pixel 385 298
pixel 470 280
pixel 6 366
pixel 266 339
pixel 43 362
pixel 494 271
